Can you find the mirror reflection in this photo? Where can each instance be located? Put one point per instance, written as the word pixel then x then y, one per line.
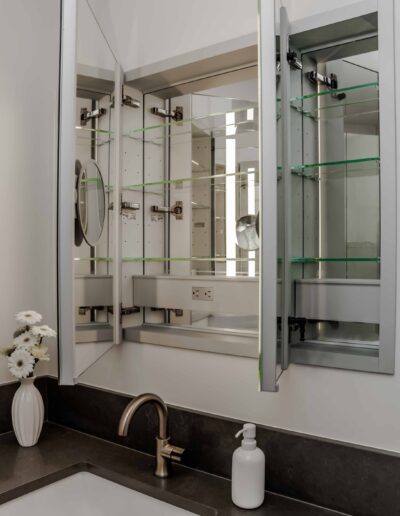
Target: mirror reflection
pixel 246 233
pixel 94 154
pixel 91 202
pixel 224 140
pixel 200 201
pixel 336 194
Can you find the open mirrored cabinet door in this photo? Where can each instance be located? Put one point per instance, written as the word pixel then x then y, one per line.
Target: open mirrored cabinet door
pixel 89 193
pixel 336 246
pixel 269 82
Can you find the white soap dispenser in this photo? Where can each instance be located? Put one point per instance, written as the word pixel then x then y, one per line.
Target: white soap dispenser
pixel 248 471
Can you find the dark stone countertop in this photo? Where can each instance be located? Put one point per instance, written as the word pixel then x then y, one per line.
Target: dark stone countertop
pixel 62 452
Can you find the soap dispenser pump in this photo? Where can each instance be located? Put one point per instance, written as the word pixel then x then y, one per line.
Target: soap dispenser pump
pixel 248 471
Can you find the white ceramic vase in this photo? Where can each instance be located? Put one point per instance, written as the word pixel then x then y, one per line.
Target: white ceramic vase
pixel 27 413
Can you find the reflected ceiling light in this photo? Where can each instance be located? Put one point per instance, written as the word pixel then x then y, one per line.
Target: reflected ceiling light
pixel 250 114
pixel 230 124
pixel 230 195
pixel 251 208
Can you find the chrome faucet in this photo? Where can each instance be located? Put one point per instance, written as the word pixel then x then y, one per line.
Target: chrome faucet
pixel 165 451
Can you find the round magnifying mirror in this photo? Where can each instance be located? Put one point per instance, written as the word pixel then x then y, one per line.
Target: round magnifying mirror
pixel 258 224
pixel 91 202
pixel 246 233
pixel 78 229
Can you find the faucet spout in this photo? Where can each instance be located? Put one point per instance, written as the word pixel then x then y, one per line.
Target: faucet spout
pixel 166 451
pixel 134 406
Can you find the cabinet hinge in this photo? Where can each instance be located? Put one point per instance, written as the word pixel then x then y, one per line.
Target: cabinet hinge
pixel 177 311
pixel 295 324
pixel 125 310
pixel 126 206
pixel 176 210
pixel 82 310
pixel 294 61
pixel 298 324
pixel 127 100
pixel 129 310
pixel 330 81
pixel 176 114
pixel 87 115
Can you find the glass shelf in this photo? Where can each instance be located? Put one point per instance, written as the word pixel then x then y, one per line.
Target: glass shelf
pixel 91 131
pixel 355 101
pixel 245 121
pixel 140 259
pixel 335 260
pixel 86 136
pixel 361 166
pixel 136 259
pixel 88 182
pixel 97 259
pixel 354 167
pixel 189 134
pixel 213 122
pixel 305 260
pixel 91 180
pixel 217 181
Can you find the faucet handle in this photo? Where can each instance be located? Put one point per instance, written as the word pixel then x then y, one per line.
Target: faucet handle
pixel 171 452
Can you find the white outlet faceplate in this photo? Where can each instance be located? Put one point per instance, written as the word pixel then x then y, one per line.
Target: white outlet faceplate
pixel 202 294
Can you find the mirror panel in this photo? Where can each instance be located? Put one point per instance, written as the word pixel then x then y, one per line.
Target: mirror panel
pixel 201 176
pixel 87 173
pixel 95 149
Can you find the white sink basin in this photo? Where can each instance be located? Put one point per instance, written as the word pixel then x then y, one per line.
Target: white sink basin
pixel 84 494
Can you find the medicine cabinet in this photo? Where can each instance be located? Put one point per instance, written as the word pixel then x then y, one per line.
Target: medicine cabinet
pixel 185 197
pixel 328 231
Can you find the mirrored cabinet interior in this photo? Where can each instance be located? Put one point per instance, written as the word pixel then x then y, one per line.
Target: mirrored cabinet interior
pixel 199 194
pixel 335 197
pixel 184 200
pixel 335 206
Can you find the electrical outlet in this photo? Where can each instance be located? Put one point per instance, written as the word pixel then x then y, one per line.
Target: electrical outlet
pixel 202 294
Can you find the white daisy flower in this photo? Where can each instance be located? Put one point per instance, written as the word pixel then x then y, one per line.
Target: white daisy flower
pixel 25 341
pixel 43 331
pixel 40 352
pixel 28 317
pixel 21 363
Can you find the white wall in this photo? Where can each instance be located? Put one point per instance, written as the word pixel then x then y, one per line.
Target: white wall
pixel 28 134
pixel 146 31
pixel 143 32
pixel 298 9
pixel 355 407
pixel 92 48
